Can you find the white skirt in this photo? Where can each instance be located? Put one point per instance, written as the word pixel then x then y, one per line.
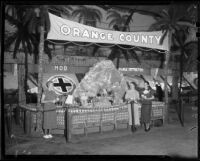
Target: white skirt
pixel 136 114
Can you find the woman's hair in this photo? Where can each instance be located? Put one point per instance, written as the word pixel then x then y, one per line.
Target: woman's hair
pixel 135 85
pixel 148 85
pixel 129 84
pixel 49 82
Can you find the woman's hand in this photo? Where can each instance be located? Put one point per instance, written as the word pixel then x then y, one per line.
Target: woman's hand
pixel 143 96
pixel 54 101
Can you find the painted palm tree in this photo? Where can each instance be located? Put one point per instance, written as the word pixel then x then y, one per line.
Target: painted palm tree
pixel 39 18
pixel 121 23
pixel 170 21
pixel 87 15
pixel 33 27
pixel 188 50
pixel 117 19
pixel 187 47
pixel 22 39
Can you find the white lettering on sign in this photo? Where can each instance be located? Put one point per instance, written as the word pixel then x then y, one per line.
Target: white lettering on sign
pixel 131 69
pixel 60 68
pixel 136 38
pixel 65 30
pixel 62 29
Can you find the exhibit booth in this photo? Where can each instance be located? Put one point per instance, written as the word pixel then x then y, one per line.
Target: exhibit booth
pixel 82 109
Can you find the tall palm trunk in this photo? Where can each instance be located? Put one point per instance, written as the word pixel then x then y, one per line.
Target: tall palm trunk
pixel 175 86
pixel 167 55
pixel 26 71
pixel 40 76
pixel 175 79
pixel 21 78
pixel 181 113
pixel 118 59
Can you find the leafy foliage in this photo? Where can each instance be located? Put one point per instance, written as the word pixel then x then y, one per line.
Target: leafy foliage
pixel 121 23
pixel 87 15
pixel 117 19
pixel 177 19
pixel 173 19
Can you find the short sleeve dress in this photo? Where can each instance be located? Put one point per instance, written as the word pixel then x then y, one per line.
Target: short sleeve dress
pixel 146 108
pixel 50 121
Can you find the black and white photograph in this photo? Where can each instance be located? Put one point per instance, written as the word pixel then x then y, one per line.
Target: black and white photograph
pixel 99 80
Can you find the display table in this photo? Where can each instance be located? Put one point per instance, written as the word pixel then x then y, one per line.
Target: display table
pixel 70 118
pixel 99 117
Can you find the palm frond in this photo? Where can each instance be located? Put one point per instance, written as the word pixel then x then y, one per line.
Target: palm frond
pixel 29 46
pixel 10 9
pixel 113 15
pixel 114 53
pixel 47 50
pixel 32 25
pixel 10 40
pixel 134 55
pixel 47 22
pixel 191 50
pixel 128 20
pixel 17 44
pixel 11 20
pixel 104 7
pixel 119 8
pixel 162 60
pixel 60 9
pixel 96 11
pixel 113 22
pixel 29 15
pixel 188 44
pixel 96 18
pixel 75 13
pixel 125 54
pixel 163 37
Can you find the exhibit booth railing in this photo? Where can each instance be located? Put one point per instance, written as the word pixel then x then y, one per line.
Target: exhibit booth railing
pixel 71 119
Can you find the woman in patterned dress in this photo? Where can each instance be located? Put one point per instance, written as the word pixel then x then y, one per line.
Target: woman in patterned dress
pixel 49 98
pixel 147 97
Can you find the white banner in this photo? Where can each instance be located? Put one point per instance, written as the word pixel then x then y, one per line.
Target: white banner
pixel 66 30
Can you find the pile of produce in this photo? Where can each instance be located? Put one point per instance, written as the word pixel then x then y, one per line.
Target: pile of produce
pixel 103 85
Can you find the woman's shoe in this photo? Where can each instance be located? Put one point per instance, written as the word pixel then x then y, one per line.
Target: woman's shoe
pixel 146 130
pixel 46 136
pixel 133 128
pixel 50 136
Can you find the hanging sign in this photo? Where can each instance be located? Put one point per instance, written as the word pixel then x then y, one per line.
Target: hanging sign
pixel 63 83
pixel 66 30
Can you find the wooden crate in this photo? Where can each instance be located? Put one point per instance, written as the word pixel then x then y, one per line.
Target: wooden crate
pixel 97 117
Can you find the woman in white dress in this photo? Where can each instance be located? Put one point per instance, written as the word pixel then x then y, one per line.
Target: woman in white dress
pixel 132 96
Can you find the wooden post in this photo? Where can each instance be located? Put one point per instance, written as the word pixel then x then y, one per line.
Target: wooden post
pixel 67 125
pixel 8 117
pixel 101 126
pixel 17 115
pixel 27 122
pixel 115 120
pixel 24 121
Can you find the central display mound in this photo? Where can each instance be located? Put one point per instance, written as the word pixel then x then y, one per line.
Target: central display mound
pixel 102 82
